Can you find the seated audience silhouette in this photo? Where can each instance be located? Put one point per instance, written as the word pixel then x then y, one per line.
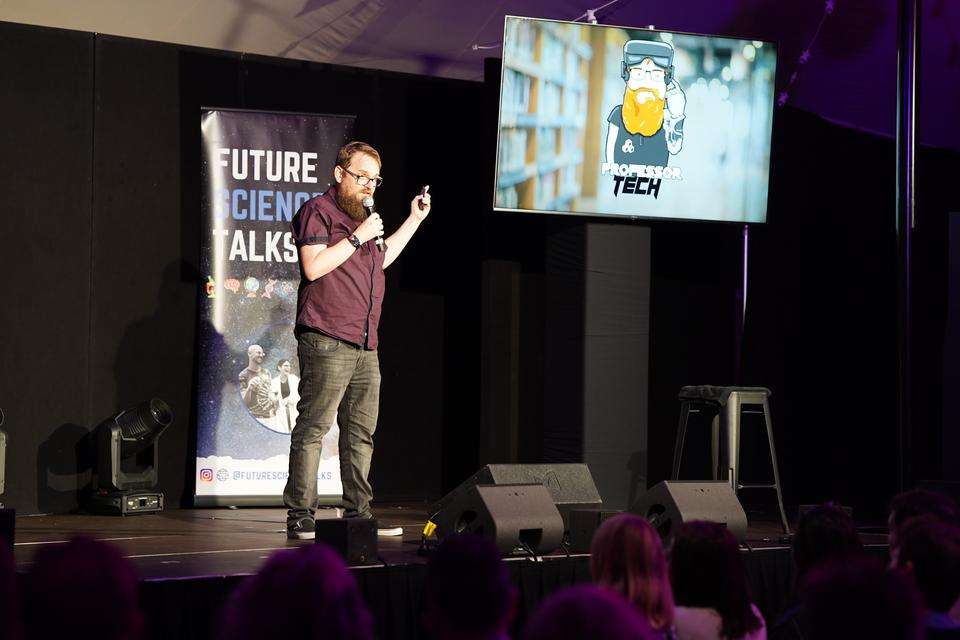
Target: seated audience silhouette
pixel 627 556
pixel 709 586
pixel 301 593
pixel 825 532
pixel 467 593
pixel 587 611
pixel 82 589
pixel 928 550
pixel 920 502
pixel 858 598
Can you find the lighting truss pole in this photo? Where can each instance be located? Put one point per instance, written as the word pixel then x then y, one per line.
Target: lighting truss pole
pixel 908 71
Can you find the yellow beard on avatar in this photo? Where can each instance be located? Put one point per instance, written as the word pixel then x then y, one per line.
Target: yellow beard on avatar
pixel 644 118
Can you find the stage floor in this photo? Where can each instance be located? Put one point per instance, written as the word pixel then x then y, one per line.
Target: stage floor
pixel 184 543
pixel 189 561
pixel 187 543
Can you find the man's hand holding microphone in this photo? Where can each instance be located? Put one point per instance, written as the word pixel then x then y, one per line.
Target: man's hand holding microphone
pixel 370 228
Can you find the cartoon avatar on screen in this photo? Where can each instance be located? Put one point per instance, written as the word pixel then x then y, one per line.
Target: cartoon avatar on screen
pixel 648 127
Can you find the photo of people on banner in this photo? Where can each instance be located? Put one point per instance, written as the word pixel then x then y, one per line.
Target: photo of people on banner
pixel 633 122
pixel 271 399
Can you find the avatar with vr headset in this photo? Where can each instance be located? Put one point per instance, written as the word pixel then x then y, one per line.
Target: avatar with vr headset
pixel 648 127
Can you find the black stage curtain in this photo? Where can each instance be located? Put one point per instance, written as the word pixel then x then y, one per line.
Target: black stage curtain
pixel 190 609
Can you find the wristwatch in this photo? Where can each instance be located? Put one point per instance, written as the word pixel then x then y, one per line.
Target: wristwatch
pixel 354 240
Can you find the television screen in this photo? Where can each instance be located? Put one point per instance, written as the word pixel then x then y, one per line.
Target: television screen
pixel 633 123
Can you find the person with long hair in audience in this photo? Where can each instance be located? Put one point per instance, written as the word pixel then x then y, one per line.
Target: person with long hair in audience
pixel 709 586
pixel 627 556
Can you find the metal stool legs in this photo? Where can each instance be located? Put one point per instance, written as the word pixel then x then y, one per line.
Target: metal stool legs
pixel 732 412
pixel 685 410
pixel 776 470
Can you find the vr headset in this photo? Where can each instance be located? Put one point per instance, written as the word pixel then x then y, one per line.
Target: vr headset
pixel 634 51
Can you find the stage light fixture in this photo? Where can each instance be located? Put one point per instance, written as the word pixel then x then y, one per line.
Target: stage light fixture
pixel 125 479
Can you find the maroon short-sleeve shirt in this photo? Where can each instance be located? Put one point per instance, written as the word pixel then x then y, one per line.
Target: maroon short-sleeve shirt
pixel 346 302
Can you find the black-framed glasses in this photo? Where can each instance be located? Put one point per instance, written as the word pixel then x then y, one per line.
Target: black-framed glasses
pixel 364 180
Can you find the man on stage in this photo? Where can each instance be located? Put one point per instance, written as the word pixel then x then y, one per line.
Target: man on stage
pixel 338 310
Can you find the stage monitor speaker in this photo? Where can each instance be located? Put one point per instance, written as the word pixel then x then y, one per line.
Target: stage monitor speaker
pixel 513 516
pixel 674 502
pixel 570 485
pixel 355 539
pixel 584 524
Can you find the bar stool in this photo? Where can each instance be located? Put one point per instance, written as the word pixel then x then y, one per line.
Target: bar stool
pixel 728 405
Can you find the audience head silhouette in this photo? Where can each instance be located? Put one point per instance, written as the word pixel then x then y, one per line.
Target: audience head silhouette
pixel 303 593
pixel 859 598
pixel 823 533
pixel 707 572
pixel 468 594
pixel 82 589
pixel 929 552
pixel 587 611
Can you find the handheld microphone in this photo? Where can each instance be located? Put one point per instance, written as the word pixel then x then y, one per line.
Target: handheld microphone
pixel 368 205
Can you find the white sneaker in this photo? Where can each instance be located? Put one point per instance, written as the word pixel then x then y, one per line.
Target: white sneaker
pixel 390 531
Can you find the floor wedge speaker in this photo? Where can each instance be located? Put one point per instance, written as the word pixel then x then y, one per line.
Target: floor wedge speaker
pixel 570 485
pixel 671 503
pixel 512 516
pixel 354 539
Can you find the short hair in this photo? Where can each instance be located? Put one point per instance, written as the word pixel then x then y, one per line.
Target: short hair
pixel 587 611
pixel 932 547
pixel 306 592
pixel 824 532
pixel 84 589
pixel 282 362
pixel 919 502
pixel 706 570
pixel 859 598
pixel 467 590
pixel 252 347
pixel 627 555
pixel 347 151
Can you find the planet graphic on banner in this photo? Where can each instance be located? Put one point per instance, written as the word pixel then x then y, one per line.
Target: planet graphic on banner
pixel 251 285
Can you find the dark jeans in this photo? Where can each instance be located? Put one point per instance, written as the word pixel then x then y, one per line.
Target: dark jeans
pixel 339 379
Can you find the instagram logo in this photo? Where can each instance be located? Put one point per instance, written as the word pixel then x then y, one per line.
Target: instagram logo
pixel 206 475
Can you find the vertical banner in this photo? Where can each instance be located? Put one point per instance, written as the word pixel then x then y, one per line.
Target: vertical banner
pixel 258 168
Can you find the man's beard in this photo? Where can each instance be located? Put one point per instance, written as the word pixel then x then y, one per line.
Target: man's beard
pixel 350 204
pixel 644 118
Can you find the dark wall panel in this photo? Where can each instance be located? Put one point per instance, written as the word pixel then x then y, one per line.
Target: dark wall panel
pixel 45 195
pixel 144 293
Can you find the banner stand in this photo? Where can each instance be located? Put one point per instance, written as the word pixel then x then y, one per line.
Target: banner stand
pixel 258 168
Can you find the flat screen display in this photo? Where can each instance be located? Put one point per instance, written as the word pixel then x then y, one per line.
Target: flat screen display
pixel 633 123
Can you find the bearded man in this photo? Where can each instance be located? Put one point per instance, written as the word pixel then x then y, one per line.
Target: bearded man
pixel 255 384
pixel 647 128
pixel 338 311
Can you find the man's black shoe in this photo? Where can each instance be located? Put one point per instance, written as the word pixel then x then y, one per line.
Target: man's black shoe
pixel 302 529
